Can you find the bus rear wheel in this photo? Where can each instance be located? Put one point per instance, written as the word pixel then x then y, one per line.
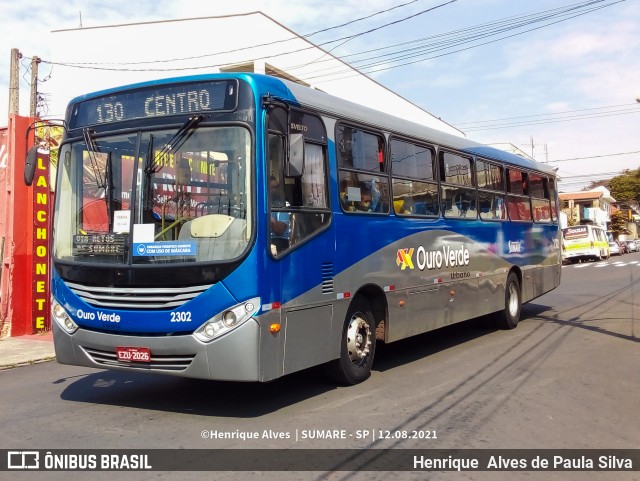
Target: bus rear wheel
pixel 509 318
pixel 357 346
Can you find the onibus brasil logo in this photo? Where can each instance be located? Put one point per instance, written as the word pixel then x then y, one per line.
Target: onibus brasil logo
pixel 446 256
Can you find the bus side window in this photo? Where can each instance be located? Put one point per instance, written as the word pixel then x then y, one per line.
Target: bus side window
pixel 518 202
pixel 490 180
pixel 415 188
pixel 361 161
pixel 551 186
pixel 457 187
pixel 541 207
pixel 299 205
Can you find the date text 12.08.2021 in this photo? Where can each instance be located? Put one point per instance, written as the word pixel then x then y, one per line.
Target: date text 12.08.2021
pixel 320 434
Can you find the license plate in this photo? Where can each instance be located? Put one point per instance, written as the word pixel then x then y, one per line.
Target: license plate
pixel 133 354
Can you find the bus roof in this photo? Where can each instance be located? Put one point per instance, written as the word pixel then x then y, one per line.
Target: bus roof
pixel 349 110
pixel 338 107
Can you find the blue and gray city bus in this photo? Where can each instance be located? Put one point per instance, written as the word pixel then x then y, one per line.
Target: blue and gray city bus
pixel 243 227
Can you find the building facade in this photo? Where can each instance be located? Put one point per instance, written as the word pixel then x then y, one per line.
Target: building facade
pixel 588 207
pixel 245 42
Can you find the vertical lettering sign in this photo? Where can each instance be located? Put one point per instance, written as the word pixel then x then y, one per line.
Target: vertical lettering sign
pixel 41 230
pixel 4 156
pixel 4 153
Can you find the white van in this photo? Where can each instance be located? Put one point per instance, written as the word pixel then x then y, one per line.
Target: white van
pixel 584 242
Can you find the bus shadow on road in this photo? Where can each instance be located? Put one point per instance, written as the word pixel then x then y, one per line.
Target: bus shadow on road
pixel 587 325
pixel 247 400
pixel 196 396
pixel 390 356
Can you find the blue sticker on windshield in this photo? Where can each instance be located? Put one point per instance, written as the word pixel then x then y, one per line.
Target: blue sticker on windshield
pixel 167 248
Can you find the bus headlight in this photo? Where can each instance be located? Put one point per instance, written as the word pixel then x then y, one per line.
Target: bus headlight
pixel 227 320
pixel 62 318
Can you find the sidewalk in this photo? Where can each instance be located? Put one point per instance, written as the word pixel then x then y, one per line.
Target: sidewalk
pixel 25 350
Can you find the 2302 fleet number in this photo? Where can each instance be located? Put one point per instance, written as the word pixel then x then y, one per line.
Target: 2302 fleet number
pixel 181 316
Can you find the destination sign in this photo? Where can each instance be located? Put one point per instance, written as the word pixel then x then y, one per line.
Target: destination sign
pixel 99 244
pixel 156 101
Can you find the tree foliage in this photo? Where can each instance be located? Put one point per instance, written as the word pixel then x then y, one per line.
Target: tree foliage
pixel 597 183
pixel 626 187
pixel 618 224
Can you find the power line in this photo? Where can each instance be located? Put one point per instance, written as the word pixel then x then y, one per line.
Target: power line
pixel 588 176
pixel 543 115
pixel 368 68
pixel 456 37
pixel 496 26
pixel 571 181
pixel 446 41
pixel 442 42
pixel 348 39
pixel 361 18
pixel 595 156
pixel 615 113
pixel 589 5
pixel 587 179
pixel 81 64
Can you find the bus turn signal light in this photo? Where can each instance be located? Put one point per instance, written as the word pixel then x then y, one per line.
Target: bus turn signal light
pixel 274 328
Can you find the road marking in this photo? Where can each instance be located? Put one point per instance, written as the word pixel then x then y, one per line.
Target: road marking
pixel 602 264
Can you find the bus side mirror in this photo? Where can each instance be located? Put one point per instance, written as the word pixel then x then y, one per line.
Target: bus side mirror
pixel 295 159
pixel 30 165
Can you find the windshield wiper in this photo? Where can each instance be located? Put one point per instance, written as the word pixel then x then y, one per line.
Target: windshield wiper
pixel 149 167
pixel 103 174
pixel 177 141
pixel 92 148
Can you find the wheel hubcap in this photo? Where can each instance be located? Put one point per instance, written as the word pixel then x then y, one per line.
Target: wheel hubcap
pixel 513 300
pixel 358 338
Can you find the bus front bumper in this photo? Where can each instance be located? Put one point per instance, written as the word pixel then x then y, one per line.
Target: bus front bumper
pixel 233 357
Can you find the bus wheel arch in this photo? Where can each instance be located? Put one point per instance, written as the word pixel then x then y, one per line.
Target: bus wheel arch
pixel 509 317
pixel 377 299
pixel 363 324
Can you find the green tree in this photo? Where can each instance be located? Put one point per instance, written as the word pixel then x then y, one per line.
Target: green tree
pixel 597 183
pixel 626 187
pixel 618 224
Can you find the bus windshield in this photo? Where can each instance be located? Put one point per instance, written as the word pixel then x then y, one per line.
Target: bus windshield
pixel 164 196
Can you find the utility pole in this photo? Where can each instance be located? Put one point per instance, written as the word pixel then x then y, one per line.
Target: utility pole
pixel 546 153
pixel 34 86
pixel 14 82
pixel 532 147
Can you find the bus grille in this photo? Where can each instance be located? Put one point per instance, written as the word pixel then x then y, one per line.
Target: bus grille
pixel 162 298
pixel 158 363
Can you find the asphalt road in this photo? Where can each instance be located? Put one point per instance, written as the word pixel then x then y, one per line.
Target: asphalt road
pixel 566 378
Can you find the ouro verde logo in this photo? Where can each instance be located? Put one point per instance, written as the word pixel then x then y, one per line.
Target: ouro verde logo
pixel 446 256
pixel 403 259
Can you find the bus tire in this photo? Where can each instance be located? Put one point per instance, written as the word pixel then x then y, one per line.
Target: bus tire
pixel 357 345
pixel 509 318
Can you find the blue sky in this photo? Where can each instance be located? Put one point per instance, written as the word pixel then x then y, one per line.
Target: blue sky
pixel 584 71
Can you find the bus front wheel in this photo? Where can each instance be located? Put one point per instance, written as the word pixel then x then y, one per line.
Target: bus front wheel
pixel 357 346
pixel 509 318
